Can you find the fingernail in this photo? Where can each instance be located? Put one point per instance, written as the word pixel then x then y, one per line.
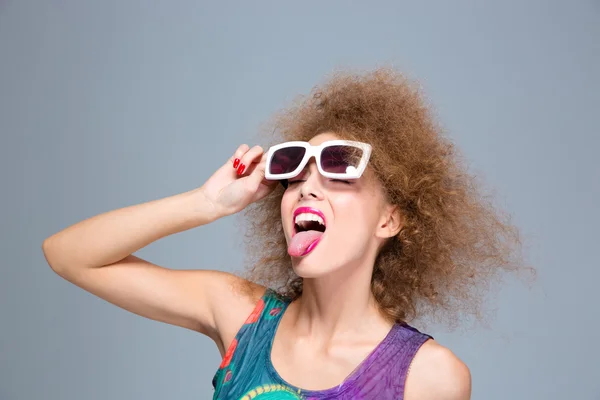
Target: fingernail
pixel 236 162
pixel 241 169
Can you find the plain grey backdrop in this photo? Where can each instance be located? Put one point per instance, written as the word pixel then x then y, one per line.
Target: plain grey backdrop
pixel 105 104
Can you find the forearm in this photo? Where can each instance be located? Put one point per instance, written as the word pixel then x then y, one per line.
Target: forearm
pixel 112 236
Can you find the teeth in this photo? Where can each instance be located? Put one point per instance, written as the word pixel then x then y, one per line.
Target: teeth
pixel 309 217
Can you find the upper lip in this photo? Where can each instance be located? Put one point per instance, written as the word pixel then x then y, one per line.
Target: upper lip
pixel 309 210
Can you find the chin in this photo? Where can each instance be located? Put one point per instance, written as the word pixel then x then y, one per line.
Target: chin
pixel 307 270
pixel 314 266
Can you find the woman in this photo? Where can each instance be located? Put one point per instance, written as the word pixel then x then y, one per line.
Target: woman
pixel 376 222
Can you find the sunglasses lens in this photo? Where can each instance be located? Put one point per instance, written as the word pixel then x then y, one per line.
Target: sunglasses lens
pixel 286 160
pixel 340 159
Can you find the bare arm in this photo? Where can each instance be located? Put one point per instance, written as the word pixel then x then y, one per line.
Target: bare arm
pixel 110 237
pixel 97 255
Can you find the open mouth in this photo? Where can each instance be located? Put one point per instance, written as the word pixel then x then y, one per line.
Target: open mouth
pixel 309 227
pixel 308 222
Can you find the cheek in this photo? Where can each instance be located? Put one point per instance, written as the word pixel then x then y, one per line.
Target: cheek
pixel 287 204
pixel 360 218
pixel 351 216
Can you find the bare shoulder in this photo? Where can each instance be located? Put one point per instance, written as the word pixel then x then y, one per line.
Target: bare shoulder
pixel 437 373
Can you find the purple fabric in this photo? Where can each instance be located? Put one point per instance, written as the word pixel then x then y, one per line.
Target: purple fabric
pixel 383 374
pixel 247 372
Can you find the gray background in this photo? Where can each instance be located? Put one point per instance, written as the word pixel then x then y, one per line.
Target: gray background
pixel 110 103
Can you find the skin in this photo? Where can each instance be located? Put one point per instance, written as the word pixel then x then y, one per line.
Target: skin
pixel 334 325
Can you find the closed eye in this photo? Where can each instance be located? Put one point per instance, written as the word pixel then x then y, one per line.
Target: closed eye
pixel 290 183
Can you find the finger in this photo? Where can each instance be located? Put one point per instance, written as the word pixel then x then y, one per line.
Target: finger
pixel 249 158
pixel 257 173
pixel 258 162
pixel 237 156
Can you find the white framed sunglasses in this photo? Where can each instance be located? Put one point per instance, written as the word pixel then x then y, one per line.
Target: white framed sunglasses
pixel 335 159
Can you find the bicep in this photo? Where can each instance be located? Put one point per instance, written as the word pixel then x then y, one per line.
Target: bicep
pixel 192 299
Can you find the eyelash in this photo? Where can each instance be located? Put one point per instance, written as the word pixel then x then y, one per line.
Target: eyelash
pixel 332 180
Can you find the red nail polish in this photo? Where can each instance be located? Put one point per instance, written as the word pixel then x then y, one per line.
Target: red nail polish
pixel 236 162
pixel 241 169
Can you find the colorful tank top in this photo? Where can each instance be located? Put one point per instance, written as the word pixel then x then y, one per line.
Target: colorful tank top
pixel 246 371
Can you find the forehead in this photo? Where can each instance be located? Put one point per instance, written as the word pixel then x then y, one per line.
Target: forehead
pixel 323 137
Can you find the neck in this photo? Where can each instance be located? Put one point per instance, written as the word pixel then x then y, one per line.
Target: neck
pixel 339 303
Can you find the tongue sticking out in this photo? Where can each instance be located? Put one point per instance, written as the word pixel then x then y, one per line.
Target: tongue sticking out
pixel 303 242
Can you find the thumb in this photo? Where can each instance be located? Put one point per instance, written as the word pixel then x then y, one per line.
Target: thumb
pixel 257 176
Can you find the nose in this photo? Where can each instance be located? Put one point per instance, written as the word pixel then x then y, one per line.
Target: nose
pixel 311 187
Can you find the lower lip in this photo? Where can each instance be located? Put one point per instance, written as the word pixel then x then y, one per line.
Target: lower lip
pixel 312 246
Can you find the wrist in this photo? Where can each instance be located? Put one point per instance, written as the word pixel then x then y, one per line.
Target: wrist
pixel 203 209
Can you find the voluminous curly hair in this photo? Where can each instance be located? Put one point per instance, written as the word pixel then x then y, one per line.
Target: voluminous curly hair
pixel 454 240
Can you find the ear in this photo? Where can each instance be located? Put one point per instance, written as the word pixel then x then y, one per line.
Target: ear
pixel 391 222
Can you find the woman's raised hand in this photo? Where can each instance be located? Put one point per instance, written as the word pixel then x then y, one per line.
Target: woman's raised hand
pixel 238 183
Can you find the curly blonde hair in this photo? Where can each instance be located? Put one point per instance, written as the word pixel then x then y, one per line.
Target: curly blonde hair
pixel 454 240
